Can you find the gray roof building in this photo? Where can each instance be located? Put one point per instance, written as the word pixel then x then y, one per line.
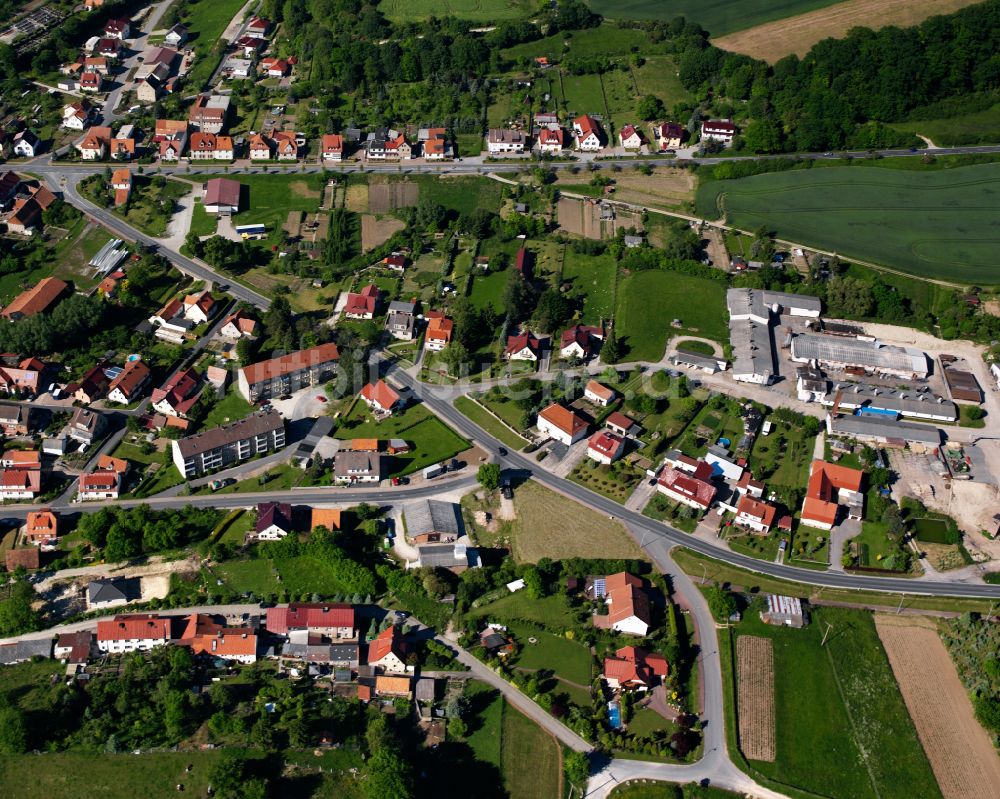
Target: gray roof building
pixel 352 467
pixel 432 521
pixel 753 358
pixel 20 651
pixel 873 356
pixel 105 593
pixel 883 431
pixel 238 441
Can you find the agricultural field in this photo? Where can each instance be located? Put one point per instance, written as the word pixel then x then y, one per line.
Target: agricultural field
pixel 773 41
pixel 524 742
pixel 491 11
pixel 870 214
pixel 716 16
pixel 841 727
pixel 960 751
pixel 755 696
pixel 377 230
pixel 391 196
pixel 666 187
pixel 583 218
pixel 649 301
pixel 460 194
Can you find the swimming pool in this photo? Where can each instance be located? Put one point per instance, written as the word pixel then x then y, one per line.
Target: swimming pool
pixel 614 715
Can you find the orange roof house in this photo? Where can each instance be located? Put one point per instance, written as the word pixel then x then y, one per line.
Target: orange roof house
pixel 561 424
pixel 438 335
pixel 628 604
pixel 380 396
pixel 41 527
pixel 325 517
pixel 204 636
pixel 632 667
pixel 829 483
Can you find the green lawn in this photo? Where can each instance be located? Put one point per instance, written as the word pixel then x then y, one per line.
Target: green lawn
pixel 260 576
pixel 132 452
pixel 604 40
pixel 568 659
pixel 73 775
pixel 977 127
pixel 869 214
pixel 716 16
pixel 485 726
pixel 488 289
pixel 783 457
pixel 206 20
pixel 202 222
pixel 649 301
pixel 658 76
pixel 874 544
pixel 151 208
pixel 594 277
pixel 583 95
pixel 229 409
pixel 464 194
pixel 272 197
pixel 530 760
pixel 432 440
pixel 841 727
pixel 551 610
pixel 479 416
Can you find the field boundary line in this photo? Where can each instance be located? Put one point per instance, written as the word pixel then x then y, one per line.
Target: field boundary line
pixel 854 726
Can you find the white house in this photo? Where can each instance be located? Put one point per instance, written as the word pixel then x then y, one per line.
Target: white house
pixel 76 116
pixel 100 485
pixel 598 394
pixel 502 140
pixel 522 347
pixel 628 604
pixel 630 138
pixel 550 140
pixel 605 447
pixel 561 424
pixel 26 144
pixel 132 633
pixel 587 133
pixel 757 515
pixel 720 130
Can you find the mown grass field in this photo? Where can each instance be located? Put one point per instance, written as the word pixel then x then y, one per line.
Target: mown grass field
pixel 649 301
pixel 716 16
pixel 604 40
pixel 481 417
pixel 842 728
pixel 937 224
pixel 530 759
pixel 205 21
pixel 977 127
pixel 480 10
pixel 593 276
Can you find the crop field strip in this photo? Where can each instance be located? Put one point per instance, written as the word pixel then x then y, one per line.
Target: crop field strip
pixel 774 40
pixel 755 696
pixel 959 750
pixel 951 232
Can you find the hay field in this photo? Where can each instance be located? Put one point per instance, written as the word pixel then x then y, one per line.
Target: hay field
pixel 716 16
pixel 755 696
pixel 376 230
pixel 477 10
pixel 959 750
pixel 774 40
pixel 549 525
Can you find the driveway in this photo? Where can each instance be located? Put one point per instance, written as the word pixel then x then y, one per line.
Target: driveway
pixel 180 222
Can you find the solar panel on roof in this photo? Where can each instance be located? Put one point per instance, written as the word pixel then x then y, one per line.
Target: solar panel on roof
pixel 600 587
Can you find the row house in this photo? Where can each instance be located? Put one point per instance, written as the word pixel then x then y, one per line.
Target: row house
pixel 209 147
pixel 288 373
pixel 138 632
pixel 230 444
pixel 387 145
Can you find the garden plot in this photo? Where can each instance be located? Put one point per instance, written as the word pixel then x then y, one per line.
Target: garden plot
pixel 594 220
pixel 384 197
pixel 755 696
pixel 378 230
pixel 960 752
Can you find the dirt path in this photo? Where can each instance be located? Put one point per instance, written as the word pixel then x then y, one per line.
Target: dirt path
pixel 960 752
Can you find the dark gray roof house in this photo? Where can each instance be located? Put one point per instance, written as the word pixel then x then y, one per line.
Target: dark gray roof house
pixel 432 521
pixel 106 593
pixel 21 651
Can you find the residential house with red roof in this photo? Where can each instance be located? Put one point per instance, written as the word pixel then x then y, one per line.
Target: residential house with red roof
pixel 605 447
pixel 178 395
pixel 20 483
pixel 332 147
pixel 598 393
pixel 42 528
pixel 380 397
pixel 588 133
pixel 76 116
pixel 130 383
pixel 434 144
pixel 121 182
pixel 580 342
pixel 91 81
pixel 211 147
pixel 259 26
pixel 755 514
pixel 634 668
pixel 693 489
pixel 387 652
pixel 204 636
pixel 831 485
pixel 274 521
pixel 200 307
pixel 332 620
pixel 239 325
pixel 523 347
pixel 362 305
pixel 259 148
pixel 668 135
pixel 94 144
pixel 561 424
pixel 438 333
pixel 118 29
pixel 286 145
pixel 91 387
pixel 631 138
pixel 275 67
pixel 38 299
pixel 99 485
pixel 23 379
pixel 551 140
pixel 720 130
pixel 133 632
pixel 628 604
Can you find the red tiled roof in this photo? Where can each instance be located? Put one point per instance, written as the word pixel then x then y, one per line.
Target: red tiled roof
pixel 21 479
pixel 140 626
pixel 619 420
pixel 99 481
pixel 303 616
pixel 825 480
pixel 757 510
pixel 605 443
pixel 131 378
pixel 520 342
pixel 332 143
pixel 627 597
pixel 286 364
pixel 363 303
pixel 380 394
pixel 548 136
pixel 36 299
pixel 599 390
pixel 386 642
pixel 563 418
pixel 203 635
pixel 439 329
pixel 691 486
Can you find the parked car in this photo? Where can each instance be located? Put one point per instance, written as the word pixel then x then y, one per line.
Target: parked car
pixel 505 490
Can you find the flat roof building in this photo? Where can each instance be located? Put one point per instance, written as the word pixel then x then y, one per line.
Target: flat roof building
pixel 874 357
